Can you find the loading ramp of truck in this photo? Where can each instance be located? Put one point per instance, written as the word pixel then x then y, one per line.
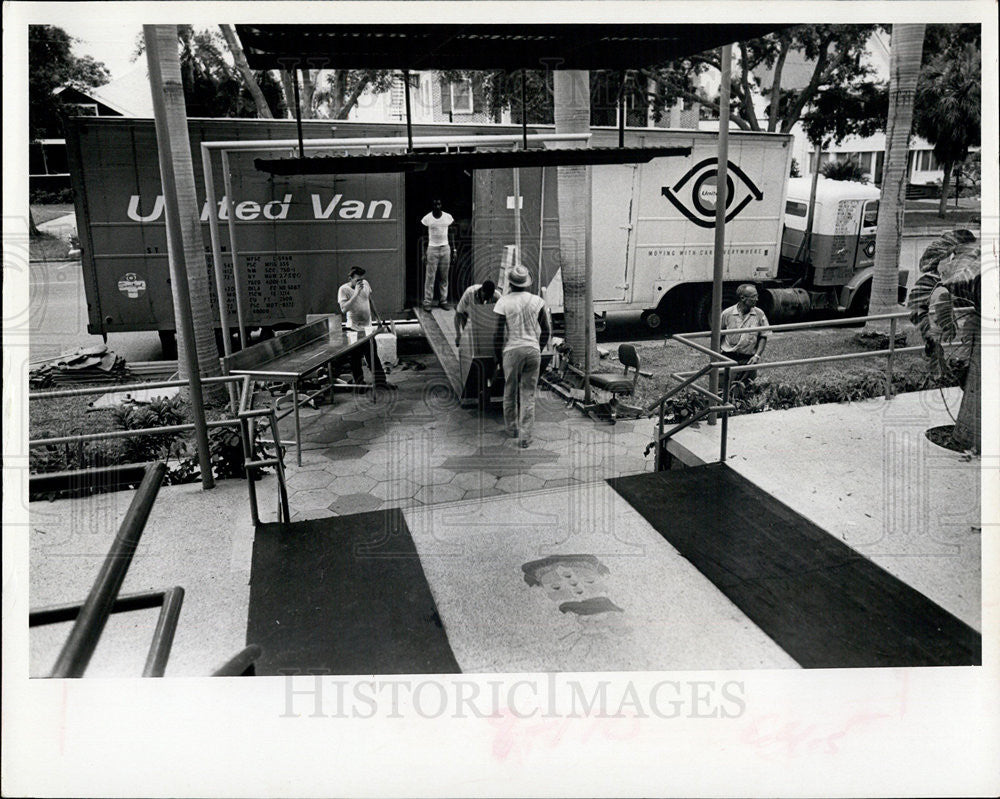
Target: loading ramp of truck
pixel 466 373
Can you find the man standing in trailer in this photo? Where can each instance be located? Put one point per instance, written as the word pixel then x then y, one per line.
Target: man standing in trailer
pixel 521 334
pixel 440 251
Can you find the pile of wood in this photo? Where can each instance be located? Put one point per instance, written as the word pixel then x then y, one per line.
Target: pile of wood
pixel 83 366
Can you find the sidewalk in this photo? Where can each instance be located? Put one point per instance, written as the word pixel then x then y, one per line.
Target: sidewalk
pixel 862 471
pixel 865 472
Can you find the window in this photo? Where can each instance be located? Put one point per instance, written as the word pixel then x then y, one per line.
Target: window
pixel 461 97
pixel 871 214
pixel 926 161
pixel 793 208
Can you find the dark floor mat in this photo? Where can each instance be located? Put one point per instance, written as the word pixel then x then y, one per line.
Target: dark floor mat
pixel 344 595
pixel 823 603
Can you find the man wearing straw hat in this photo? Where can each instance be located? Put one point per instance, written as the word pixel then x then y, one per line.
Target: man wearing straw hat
pixel 521 334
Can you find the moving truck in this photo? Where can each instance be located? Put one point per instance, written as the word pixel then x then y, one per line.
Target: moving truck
pixel 297 237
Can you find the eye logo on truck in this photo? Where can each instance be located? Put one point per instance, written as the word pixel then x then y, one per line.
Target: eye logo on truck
pixel 696 193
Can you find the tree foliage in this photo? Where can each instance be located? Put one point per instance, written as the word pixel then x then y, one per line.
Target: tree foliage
pixel 949 99
pixel 51 64
pixel 848 169
pixel 830 55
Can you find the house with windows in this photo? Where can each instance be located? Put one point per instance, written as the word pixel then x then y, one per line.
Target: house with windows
pixel 127 96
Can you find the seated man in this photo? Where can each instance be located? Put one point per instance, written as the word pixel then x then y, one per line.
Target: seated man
pixel 476 294
pixel 744 347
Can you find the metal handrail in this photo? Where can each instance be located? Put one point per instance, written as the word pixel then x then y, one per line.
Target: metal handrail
pixel 730 366
pixel 247 417
pixel 169 602
pixel 242 664
pixel 86 632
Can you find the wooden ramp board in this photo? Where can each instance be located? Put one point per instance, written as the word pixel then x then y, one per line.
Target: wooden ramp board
pixel 438 326
pixel 344 595
pixel 826 605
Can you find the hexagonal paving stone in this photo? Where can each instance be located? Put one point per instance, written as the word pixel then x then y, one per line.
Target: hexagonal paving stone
pixel 313 499
pixel 590 474
pixel 352 484
pixel 483 494
pixel 560 482
pixel 304 479
pixel 393 490
pixel 551 471
pixel 478 481
pixel 367 432
pixel 432 494
pixel 426 476
pixel 516 483
pixel 345 452
pixel 626 465
pixel 345 467
pixel 355 503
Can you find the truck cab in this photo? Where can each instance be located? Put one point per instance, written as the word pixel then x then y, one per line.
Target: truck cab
pixel 836 266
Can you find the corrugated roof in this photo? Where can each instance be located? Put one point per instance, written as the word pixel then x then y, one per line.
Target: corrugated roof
pixel 510 47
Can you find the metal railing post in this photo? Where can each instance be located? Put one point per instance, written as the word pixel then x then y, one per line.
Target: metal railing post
pixel 86 632
pixel 726 378
pixel 889 358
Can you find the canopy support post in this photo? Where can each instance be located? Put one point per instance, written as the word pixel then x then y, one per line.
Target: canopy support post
pixel 721 199
pixel 298 112
pixel 409 120
pixel 524 114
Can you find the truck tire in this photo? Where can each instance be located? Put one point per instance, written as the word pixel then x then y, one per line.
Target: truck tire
pixel 168 345
pixel 860 301
pixel 652 319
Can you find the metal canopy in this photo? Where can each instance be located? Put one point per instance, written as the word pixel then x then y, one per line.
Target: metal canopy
pixel 480 159
pixel 483 47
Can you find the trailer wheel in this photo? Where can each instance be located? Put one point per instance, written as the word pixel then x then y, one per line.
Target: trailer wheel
pixel 652 319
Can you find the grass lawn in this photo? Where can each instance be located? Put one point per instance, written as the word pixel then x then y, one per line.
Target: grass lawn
pixel 45 213
pixel 664 357
pixel 47 248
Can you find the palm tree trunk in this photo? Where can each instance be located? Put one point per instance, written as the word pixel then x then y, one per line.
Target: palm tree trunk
pixel 945 188
pixel 968 426
pixel 572 115
pixel 192 257
pixel 240 60
pixel 904 69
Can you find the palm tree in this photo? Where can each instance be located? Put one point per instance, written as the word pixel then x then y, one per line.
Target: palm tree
pixel 193 255
pixel 572 115
pixel 904 70
pixel 240 62
pixel 948 108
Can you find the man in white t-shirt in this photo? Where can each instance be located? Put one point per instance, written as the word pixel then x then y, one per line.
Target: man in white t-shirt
pixel 521 334
pixel 354 298
pixel 476 294
pixel 440 249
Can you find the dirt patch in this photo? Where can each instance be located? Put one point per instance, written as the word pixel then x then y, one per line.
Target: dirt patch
pixel 942 437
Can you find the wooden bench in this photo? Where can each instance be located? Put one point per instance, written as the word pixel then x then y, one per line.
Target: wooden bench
pixel 290 357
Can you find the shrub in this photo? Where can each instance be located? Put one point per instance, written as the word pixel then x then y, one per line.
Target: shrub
pixel 848 169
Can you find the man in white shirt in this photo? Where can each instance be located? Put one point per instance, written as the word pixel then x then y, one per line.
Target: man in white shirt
pixel 744 347
pixel 476 294
pixel 354 298
pixel 440 250
pixel 521 334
